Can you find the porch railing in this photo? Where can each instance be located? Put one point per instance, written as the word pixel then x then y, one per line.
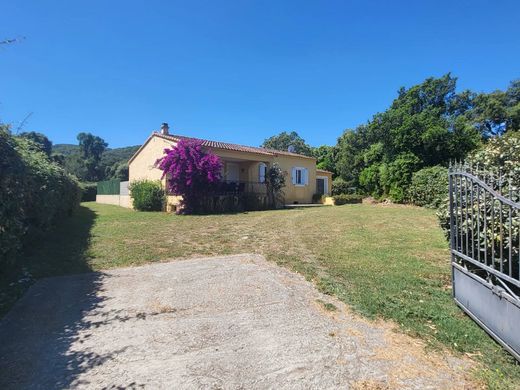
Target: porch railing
pixel 230 187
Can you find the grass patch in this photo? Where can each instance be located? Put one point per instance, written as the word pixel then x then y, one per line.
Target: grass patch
pixel 387 262
pixel 327 305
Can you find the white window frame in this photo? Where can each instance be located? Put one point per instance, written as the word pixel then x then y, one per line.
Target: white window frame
pixel 325 184
pixel 304 176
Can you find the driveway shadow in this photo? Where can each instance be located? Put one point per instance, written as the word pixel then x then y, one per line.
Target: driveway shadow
pixel 37 335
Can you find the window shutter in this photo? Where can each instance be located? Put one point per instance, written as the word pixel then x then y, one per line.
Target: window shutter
pixel 306 176
pixel 293 175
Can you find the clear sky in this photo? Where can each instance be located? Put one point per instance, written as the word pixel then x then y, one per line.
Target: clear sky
pixel 239 71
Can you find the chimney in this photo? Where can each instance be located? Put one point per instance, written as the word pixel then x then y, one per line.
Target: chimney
pixel 164 129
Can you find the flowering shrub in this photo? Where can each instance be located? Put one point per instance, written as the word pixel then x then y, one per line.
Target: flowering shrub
pixel 275 183
pixel 191 172
pixel 500 154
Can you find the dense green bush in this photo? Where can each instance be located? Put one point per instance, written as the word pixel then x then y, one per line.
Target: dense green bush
pixel 347 199
pixel 396 176
pixel 88 192
pixel 147 195
pixel 429 187
pixel 318 198
pixel 340 186
pixel 34 192
pixel 369 179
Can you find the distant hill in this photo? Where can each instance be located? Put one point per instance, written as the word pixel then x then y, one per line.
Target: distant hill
pixel 110 157
pixel 65 149
pixel 113 156
pixel 113 164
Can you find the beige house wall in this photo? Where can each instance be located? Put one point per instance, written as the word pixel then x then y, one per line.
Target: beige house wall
pixel 142 167
pixel 298 193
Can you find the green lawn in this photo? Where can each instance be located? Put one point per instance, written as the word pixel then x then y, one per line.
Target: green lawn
pixel 385 261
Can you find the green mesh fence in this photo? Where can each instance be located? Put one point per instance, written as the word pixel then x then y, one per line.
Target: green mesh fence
pixel 108 187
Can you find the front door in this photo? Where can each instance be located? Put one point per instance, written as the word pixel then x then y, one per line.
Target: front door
pixel 320 186
pixel 232 172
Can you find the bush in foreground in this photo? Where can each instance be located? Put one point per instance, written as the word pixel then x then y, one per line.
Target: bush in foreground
pixel 501 155
pixel 35 192
pixel 88 192
pixel 147 195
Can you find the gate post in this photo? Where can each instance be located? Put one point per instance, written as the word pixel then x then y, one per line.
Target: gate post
pixel 452 228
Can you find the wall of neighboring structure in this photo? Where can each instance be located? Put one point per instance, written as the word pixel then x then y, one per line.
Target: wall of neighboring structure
pixel 117 200
pixel 122 199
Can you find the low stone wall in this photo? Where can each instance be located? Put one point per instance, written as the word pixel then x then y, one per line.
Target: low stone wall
pixel 117 200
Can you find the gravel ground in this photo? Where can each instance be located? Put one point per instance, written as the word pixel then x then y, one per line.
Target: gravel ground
pixel 224 322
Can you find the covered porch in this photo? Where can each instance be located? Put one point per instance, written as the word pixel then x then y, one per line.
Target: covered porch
pixel 241 176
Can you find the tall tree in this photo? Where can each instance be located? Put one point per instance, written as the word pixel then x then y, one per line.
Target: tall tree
pixel 284 140
pixel 91 149
pixel 325 157
pixel 44 144
pixel 427 124
pixel 497 112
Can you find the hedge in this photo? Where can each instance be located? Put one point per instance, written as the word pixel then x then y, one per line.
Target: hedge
pixel 88 192
pixel 35 192
pixel 340 186
pixel 347 199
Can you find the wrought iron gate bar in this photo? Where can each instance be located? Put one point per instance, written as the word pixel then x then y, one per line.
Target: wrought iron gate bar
pixel 487 268
pixel 498 196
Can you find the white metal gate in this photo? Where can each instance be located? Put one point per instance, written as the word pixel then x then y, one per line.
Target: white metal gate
pixel 485 256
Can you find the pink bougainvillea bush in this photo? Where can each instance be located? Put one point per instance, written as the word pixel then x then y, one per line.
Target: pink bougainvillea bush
pixel 191 171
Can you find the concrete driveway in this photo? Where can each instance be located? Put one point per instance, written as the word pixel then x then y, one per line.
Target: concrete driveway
pixel 226 322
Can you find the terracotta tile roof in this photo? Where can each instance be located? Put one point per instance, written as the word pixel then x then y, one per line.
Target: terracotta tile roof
pixel 322 170
pixel 228 146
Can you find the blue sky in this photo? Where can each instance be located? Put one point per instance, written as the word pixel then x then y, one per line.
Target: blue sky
pixel 239 71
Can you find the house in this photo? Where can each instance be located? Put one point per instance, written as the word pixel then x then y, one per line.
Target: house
pixel 244 167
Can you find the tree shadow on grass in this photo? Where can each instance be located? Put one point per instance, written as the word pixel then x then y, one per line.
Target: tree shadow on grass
pixel 39 337
pixel 61 251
